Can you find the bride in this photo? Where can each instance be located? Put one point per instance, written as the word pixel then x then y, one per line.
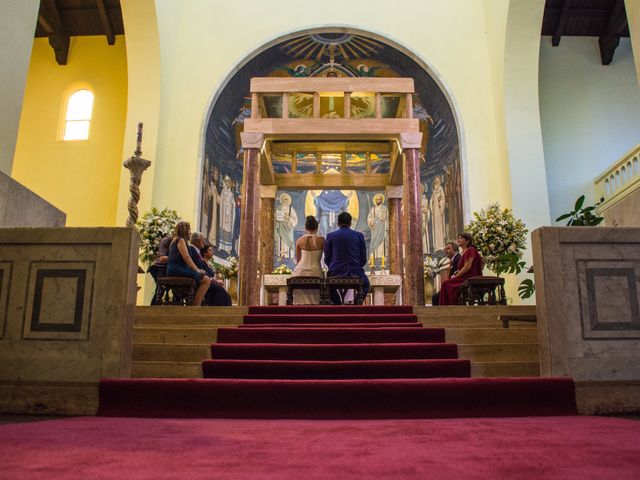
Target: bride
pixel 309 249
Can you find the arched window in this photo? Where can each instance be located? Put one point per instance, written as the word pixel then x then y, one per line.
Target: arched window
pixel 78 115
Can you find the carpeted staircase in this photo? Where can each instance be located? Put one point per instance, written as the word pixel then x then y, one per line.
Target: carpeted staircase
pixel 335 362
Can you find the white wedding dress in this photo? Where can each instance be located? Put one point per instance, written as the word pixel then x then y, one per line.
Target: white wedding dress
pixel 308 266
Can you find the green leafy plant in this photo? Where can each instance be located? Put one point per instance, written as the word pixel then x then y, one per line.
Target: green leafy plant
pixel 153 226
pixel 496 232
pixel 581 216
pixel 511 263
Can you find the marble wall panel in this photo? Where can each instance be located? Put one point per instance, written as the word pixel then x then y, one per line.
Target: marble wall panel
pixel 20 207
pixel 66 305
pixel 587 297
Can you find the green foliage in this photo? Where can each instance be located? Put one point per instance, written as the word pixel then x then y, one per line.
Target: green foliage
pixel 153 227
pixel 527 288
pixel 581 216
pixel 497 232
pixel 228 271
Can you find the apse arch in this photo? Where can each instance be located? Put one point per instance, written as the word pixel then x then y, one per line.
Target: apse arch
pixel 392 44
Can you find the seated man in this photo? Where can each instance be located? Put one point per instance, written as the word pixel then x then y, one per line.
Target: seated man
pixel 216 296
pixel 451 251
pixel 345 253
pixel 159 267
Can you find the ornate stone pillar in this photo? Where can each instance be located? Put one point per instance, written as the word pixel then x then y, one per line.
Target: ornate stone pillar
pixel 396 240
pixel 413 285
pixel 267 208
pixel 248 282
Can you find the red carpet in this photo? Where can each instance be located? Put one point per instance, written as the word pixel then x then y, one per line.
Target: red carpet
pixel 331 318
pixel 330 335
pixel 332 309
pixel 367 351
pixel 301 370
pixel 536 448
pixel 333 325
pixel 325 399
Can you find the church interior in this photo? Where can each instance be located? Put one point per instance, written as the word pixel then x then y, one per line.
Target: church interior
pixel 487 153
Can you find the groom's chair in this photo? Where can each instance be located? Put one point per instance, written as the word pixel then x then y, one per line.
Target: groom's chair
pixel 341 285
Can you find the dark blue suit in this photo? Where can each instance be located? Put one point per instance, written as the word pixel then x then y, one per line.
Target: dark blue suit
pixel 345 253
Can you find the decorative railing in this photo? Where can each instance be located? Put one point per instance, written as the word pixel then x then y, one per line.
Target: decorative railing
pixel 331 105
pixel 619 180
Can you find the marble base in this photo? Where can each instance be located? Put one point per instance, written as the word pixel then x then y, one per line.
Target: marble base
pixel 20 207
pixel 67 297
pixel 588 302
pixel 608 398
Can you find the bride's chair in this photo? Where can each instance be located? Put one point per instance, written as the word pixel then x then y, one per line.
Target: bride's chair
pixel 308 283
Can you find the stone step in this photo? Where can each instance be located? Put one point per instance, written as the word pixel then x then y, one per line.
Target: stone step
pixel 488 335
pixel 151 311
pixel 492 322
pixel 166 370
pixel 174 334
pixel 166 352
pixel 513 352
pixel 505 369
pixel 452 310
pixel 178 320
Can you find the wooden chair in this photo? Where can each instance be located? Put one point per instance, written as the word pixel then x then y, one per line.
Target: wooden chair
pixel 308 283
pixel 344 284
pixel 175 291
pixel 157 271
pixel 482 291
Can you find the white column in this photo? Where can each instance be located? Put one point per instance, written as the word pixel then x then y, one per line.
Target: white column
pixel 17 26
pixel 633 17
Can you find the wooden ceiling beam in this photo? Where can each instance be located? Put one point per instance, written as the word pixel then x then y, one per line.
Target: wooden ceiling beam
pixel 562 23
pixel 106 24
pixel 281 148
pixel 58 38
pixel 610 39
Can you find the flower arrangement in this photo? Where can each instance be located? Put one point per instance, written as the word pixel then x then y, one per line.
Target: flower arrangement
pixel 282 270
pixel 229 271
pixel 153 227
pixel 433 265
pixel 497 232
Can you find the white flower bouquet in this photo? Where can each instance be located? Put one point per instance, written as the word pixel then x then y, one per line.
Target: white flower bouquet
pixel 433 266
pixel 153 226
pixel 282 270
pixel 497 232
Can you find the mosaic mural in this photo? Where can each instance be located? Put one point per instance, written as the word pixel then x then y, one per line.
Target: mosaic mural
pixel 331 54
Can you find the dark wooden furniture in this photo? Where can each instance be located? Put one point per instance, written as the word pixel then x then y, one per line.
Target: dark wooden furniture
pixel 482 291
pixel 174 291
pixel 157 271
pixel 308 283
pixel 344 284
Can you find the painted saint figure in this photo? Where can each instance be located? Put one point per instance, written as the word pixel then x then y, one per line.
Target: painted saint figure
pixel 426 218
pixel 286 219
pixel 212 207
pixel 329 204
pixel 378 221
pixel 437 205
pixel 227 216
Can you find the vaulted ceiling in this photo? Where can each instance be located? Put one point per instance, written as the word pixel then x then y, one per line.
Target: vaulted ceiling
pixel 606 19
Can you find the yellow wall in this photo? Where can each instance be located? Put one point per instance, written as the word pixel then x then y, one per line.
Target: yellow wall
pixel 82 177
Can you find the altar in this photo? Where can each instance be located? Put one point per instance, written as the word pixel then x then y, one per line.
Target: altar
pixel 380 284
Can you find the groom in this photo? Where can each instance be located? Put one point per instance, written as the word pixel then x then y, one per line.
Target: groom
pixel 345 253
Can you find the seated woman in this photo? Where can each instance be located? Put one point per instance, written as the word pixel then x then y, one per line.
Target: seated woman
pixel 309 249
pixel 470 265
pixel 180 263
pixel 216 296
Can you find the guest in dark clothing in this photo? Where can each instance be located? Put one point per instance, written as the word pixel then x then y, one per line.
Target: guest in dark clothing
pixel 180 263
pixel 451 251
pixel 345 253
pixel 159 267
pixel 471 265
pixel 216 296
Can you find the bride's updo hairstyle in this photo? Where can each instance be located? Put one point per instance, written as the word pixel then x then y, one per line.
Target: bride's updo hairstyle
pixel 311 224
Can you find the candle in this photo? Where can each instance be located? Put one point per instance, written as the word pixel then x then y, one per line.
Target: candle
pixel 372 261
pixel 382 264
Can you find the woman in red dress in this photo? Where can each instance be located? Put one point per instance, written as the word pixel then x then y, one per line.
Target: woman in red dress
pixel 471 266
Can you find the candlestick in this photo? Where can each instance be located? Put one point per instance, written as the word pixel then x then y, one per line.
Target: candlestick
pixel 382 264
pixel 138 151
pixel 372 262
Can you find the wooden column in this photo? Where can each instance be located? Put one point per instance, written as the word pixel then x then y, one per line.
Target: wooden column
pixel 249 284
pixel 396 240
pixel 267 208
pixel 413 285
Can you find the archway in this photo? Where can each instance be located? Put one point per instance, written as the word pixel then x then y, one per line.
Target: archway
pixel 331 52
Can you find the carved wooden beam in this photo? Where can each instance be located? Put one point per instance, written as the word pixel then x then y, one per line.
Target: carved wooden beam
pixel 106 24
pixel 562 23
pixel 52 24
pixel 610 39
